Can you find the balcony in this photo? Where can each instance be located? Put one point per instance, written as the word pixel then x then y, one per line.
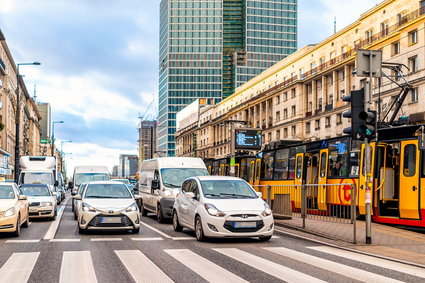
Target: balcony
pixel 309 113
pixel 329 107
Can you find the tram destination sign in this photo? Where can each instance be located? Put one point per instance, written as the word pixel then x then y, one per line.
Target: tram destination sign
pixel 248 139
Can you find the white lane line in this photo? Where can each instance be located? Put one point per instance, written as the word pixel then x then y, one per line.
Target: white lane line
pixel 22 241
pixel 148 239
pixel 282 272
pixel 77 266
pixel 203 267
pixel 140 267
pixel 50 234
pixel 156 230
pixel 105 239
pixel 18 267
pixel 404 268
pixel 275 237
pixel 345 270
pixel 64 240
pixel 183 238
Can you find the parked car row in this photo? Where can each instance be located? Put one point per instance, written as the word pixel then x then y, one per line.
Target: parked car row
pixel 18 204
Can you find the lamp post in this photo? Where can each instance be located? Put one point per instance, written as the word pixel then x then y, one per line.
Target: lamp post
pixel 53 135
pixel 63 156
pixel 18 118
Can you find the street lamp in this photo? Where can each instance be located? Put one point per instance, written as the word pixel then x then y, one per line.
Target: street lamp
pixel 18 118
pixel 62 156
pixel 53 135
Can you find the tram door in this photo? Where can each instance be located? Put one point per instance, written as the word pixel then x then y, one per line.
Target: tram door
pixel 409 180
pixel 299 178
pixel 257 172
pixel 361 197
pixel 251 172
pixel 322 179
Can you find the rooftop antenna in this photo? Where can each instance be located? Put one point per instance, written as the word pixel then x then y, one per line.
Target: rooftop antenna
pixel 335 25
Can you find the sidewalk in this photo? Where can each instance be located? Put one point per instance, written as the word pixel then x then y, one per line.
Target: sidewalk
pixel 387 241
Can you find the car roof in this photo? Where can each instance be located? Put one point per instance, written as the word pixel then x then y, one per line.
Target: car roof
pixel 104 182
pixel 7 183
pixel 34 185
pixel 217 178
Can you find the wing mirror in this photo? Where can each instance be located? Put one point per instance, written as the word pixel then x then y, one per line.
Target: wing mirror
pixel 70 185
pixel 22 197
pixel 56 183
pixel 189 195
pixel 76 197
pixel 259 194
pixel 155 185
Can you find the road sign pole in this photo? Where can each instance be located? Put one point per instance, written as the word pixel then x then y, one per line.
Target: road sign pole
pixel 232 149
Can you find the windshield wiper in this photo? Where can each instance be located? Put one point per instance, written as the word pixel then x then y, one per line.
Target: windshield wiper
pixel 98 197
pixel 212 195
pixel 171 185
pixel 236 195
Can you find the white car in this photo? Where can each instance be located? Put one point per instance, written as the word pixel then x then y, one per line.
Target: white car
pixel 217 206
pixel 107 205
pixel 13 209
pixel 41 200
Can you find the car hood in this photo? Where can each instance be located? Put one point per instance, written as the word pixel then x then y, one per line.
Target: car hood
pixel 231 205
pixel 109 204
pixel 40 199
pixel 5 204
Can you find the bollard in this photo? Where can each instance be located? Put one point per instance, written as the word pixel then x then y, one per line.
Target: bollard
pixel 303 204
pixel 269 195
pixel 354 212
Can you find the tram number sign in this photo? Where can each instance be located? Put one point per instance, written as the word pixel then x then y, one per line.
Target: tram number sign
pixel 248 139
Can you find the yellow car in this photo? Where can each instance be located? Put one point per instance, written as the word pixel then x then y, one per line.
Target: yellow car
pixel 14 211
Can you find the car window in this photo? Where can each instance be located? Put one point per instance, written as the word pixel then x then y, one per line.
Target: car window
pixel 6 192
pixel 107 191
pixel 36 191
pixel 81 188
pixel 227 189
pixel 185 186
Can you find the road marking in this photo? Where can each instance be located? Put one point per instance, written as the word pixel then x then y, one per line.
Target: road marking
pixel 148 239
pixel 105 239
pixel 345 270
pixel 156 230
pixel 183 238
pixel 274 269
pixel 275 237
pixel 18 267
pixel 404 268
pixel 203 267
pixel 77 266
pixel 50 234
pixel 140 267
pixel 22 241
pixel 63 240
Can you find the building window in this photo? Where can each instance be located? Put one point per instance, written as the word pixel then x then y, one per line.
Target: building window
pixel 293 110
pixel 317 124
pixel 277 116
pixel 293 93
pixel 285 132
pixel 338 119
pixel 328 122
pixel 278 135
pixel 293 130
pixel 384 29
pixel 285 113
pixel 269 137
pixel 285 96
pixel 414 95
pixel 395 48
pixel 307 127
pixel 413 64
pixel 413 37
pixel 368 35
pixel 278 99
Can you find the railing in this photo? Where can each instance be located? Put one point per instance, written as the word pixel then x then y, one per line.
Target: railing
pixel 315 207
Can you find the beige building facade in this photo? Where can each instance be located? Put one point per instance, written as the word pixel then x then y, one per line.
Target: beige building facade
pixel 30 117
pixel 300 98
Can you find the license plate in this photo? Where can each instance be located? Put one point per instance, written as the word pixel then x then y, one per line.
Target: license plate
pixel 110 219
pixel 244 224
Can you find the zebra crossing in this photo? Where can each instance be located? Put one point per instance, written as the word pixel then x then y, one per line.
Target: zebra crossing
pixel 78 266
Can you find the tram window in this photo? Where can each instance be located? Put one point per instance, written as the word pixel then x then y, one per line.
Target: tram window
pixel 338 159
pixel 409 166
pixel 299 166
pixel 291 165
pixel 323 165
pixel 267 166
pixel 281 164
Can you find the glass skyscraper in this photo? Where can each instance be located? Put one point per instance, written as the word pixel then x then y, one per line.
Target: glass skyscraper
pixel 210 47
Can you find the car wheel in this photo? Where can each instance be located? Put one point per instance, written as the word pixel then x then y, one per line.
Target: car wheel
pixel 143 211
pixel 265 239
pixel 159 215
pixel 199 231
pixel 75 216
pixel 176 225
pixel 27 221
pixel 136 230
pixel 17 232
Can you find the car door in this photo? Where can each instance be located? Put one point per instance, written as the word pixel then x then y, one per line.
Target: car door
pixel 184 206
pixel 193 202
pixel 23 204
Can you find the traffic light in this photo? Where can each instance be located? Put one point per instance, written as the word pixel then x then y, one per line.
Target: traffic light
pixel 356 99
pixel 368 127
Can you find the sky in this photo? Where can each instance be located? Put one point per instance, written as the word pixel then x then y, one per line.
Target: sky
pixel 99 64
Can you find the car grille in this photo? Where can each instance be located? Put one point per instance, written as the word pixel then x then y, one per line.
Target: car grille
pixel 125 221
pixel 244 215
pixel 34 204
pixel 8 226
pixel 229 226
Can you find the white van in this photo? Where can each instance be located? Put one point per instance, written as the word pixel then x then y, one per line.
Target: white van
pixel 84 174
pixel 161 179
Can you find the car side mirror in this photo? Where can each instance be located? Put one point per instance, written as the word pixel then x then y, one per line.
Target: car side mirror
pixel 70 185
pixel 76 197
pixel 259 194
pixel 137 197
pixel 22 197
pixel 56 183
pixel 155 184
pixel 73 193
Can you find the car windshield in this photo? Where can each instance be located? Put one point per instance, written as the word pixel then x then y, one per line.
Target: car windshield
pixel 124 181
pixel 89 177
pixel 81 188
pixel 107 191
pixel 227 189
pixel 6 192
pixel 35 191
pixel 37 178
pixel 174 177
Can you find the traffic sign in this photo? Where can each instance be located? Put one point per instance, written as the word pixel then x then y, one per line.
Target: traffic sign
pixel 232 161
pixel 45 141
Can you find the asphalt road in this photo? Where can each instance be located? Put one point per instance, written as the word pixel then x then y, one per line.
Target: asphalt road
pixel 158 254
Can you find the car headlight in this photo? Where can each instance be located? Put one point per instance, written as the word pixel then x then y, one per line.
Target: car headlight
pixel 168 193
pixel 87 207
pixel 132 207
pixel 214 211
pixel 9 212
pixel 267 211
pixel 46 203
